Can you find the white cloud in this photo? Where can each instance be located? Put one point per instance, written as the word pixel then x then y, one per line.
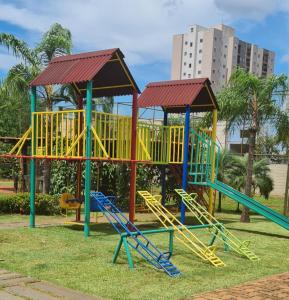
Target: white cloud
pixel 255 10
pixel 142 29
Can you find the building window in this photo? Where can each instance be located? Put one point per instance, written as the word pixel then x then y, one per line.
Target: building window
pixel 201 40
pixel 215 38
pixel 223 76
pixel 214 60
pixel 190 65
pixel 199 72
pixel 224 66
pixel 215 49
pixel 184 74
pixel 185 53
pixel 200 51
pixel 185 63
pixel 213 71
pixel 189 75
pixel 191 44
pixel 213 81
pixel 191 55
pixel 192 29
pixel 226 46
pixel 200 61
pixel 225 55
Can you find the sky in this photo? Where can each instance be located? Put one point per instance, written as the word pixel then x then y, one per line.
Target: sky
pixel 143 29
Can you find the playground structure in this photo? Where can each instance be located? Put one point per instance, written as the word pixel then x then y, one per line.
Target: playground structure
pixel 87 135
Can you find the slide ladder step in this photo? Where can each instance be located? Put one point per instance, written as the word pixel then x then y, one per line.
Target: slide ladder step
pixel 184 235
pixel 216 228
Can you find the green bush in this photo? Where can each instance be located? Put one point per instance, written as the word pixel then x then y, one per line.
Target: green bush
pixel 19 203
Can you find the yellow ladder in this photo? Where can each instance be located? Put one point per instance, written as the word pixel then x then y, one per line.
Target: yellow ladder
pixel 183 234
pixel 204 217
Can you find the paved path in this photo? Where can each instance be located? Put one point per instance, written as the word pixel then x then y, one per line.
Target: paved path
pixel 14 286
pixel 274 287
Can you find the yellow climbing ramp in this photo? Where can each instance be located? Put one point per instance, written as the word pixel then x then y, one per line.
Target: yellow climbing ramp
pixel 182 233
pixel 204 217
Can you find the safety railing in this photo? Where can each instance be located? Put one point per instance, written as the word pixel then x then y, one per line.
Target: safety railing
pixel 111 136
pixel 62 134
pixel 204 152
pixel 58 133
pixel 160 144
pixel 152 143
pixel 176 142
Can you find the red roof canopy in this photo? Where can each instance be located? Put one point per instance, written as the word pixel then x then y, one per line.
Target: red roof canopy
pixel 107 69
pixel 175 95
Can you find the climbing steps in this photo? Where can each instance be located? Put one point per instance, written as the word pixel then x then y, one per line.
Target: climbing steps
pixel 139 242
pixel 183 234
pixel 204 217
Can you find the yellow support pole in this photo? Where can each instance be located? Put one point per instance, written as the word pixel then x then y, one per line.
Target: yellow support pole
pixel 213 159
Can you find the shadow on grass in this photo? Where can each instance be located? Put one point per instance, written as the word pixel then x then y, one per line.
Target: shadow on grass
pixel 260 233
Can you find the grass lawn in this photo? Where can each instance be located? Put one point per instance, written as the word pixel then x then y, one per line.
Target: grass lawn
pixel 24 219
pixel 4 182
pixel 63 256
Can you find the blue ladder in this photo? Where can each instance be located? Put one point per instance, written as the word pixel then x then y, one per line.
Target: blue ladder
pixel 138 241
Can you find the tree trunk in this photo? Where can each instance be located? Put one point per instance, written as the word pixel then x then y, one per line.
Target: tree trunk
pixel 220 202
pixel 249 177
pixel 238 208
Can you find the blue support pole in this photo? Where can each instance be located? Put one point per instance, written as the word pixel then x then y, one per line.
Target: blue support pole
pixel 32 160
pixel 88 159
pixel 185 161
pixel 163 171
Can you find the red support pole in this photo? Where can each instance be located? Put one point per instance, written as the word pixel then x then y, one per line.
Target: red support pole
pixel 79 163
pixel 133 157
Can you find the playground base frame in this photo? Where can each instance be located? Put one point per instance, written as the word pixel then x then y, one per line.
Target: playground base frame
pixel 125 236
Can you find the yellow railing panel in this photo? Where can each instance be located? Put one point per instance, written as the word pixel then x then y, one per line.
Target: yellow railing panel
pixel 60 134
pixel 56 133
pixel 176 142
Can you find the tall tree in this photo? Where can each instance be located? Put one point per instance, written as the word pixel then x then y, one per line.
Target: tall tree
pixel 55 42
pixel 249 100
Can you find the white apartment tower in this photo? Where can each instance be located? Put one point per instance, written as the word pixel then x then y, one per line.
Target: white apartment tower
pixel 214 53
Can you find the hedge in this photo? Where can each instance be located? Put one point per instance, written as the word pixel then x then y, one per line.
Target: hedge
pixel 19 203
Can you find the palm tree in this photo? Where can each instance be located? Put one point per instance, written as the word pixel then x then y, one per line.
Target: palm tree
pixel 55 42
pixel 261 179
pixel 249 100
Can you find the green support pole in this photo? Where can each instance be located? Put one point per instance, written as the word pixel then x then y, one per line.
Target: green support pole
pixel 129 258
pixel 32 160
pixel 213 239
pixel 88 159
pixel 224 238
pixel 171 242
pixel 117 249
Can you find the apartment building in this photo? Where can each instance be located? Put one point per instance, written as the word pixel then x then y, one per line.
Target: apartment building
pixel 214 52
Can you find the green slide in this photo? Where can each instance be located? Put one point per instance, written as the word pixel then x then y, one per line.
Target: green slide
pixel 250 203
